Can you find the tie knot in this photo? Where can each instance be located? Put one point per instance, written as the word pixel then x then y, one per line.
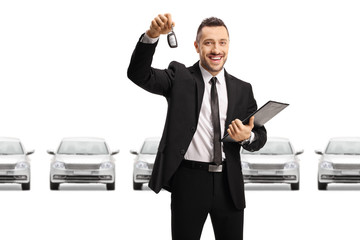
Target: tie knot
pixel 213 80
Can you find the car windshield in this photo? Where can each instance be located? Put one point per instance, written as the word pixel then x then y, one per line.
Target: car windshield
pixel 343 147
pixel 10 148
pixel 83 148
pixel 150 147
pixel 273 148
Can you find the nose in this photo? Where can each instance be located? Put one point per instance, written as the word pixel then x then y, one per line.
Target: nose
pixel 215 49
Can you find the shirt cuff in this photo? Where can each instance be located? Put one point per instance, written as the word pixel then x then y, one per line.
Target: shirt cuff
pixel 148 40
pixel 252 137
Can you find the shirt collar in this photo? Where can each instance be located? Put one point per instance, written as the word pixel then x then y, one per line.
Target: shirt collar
pixel 207 76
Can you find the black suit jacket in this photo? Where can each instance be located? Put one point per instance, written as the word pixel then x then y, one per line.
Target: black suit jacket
pixel 183 89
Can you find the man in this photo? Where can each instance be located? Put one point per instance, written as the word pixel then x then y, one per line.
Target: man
pixel 203 174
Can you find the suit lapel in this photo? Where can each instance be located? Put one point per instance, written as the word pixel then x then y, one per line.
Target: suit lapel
pixel 231 92
pixel 200 87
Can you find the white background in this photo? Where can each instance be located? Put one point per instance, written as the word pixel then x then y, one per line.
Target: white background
pixel 63 73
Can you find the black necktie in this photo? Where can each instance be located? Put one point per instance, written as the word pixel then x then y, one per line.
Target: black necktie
pixel 215 117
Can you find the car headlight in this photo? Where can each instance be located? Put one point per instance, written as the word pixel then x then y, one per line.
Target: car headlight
pixel 245 165
pixel 22 165
pixel 326 165
pixel 142 165
pixel 58 165
pixel 290 165
pixel 106 165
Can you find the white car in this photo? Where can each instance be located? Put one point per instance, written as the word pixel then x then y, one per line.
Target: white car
pixel 276 162
pixel 144 162
pixel 82 160
pixel 14 163
pixel 340 162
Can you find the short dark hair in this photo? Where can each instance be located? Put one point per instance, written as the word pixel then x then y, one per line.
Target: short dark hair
pixel 210 22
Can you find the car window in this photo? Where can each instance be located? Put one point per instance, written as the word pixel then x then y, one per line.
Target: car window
pixel 343 147
pixel 150 147
pixel 83 148
pixel 10 148
pixel 273 148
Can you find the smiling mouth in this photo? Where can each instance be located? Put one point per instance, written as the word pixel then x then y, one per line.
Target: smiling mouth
pixel 215 58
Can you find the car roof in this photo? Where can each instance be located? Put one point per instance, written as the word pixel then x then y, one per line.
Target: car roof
pixel 345 139
pixel 152 139
pixel 83 139
pixel 9 139
pixel 277 139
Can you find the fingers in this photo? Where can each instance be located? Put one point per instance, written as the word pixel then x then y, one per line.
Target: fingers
pixel 161 24
pixel 238 131
pixel 251 122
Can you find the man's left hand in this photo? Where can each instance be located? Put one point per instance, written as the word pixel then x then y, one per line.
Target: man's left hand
pixel 240 132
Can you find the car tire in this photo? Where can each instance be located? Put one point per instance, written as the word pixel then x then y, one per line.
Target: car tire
pixel 295 186
pixel 25 186
pixel 54 186
pixel 322 186
pixel 110 186
pixel 137 186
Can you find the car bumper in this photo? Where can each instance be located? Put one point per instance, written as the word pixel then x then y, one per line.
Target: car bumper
pixel 339 176
pixel 15 176
pixel 142 175
pixel 82 176
pixel 271 176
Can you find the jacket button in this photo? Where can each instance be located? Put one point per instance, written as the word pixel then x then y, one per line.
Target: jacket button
pixel 182 151
pixel 193 129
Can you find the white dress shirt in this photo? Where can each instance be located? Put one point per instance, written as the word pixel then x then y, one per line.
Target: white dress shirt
pixel 201 145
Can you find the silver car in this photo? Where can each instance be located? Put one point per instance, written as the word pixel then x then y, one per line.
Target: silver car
pixel 276 162
pixel 82 160
pixel 14 163
pixel 340 163
pixel 144 162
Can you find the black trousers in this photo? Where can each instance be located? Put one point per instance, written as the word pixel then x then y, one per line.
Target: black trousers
pixel 197 193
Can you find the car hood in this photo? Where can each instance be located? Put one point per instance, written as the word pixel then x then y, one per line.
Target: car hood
pixel 79 159
pixel 342 158
pixel 149 158
pixel 264 159
pixel 12 159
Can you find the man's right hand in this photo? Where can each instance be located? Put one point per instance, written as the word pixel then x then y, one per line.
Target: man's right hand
pixel 160 25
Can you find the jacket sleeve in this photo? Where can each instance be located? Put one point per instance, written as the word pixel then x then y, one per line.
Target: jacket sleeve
pixel 260 132
pixel 142 74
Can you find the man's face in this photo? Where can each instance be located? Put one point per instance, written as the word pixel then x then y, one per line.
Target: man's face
pixel 213 48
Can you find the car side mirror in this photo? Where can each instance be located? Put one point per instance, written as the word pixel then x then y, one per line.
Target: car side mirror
pixel 299 152
pixel 134 152
pixel 115 152
pixel 319 152
pixel 51 152
pixel 30 152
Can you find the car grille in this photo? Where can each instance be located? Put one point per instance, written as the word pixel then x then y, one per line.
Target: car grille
pixel 269 177
pixel 7 166
pixel 83 177
pixel 341 178
pixel 346 166
pixel 82 166
pixel 266 166
pixel 4 178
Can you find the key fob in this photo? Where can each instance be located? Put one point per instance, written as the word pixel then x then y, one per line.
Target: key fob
pixel 172 41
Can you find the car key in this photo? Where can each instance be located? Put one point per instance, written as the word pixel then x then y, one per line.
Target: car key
pixel 172 38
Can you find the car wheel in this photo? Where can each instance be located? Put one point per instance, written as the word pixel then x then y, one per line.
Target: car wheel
pixel 295 186
pixel 322 186
pixel 137 186
pixel 25 186
pixel 110 186
pixel 54 186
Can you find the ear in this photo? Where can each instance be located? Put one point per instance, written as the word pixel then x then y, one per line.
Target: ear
pixel 196 47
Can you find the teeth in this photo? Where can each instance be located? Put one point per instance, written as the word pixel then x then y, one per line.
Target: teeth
pixel 216 58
